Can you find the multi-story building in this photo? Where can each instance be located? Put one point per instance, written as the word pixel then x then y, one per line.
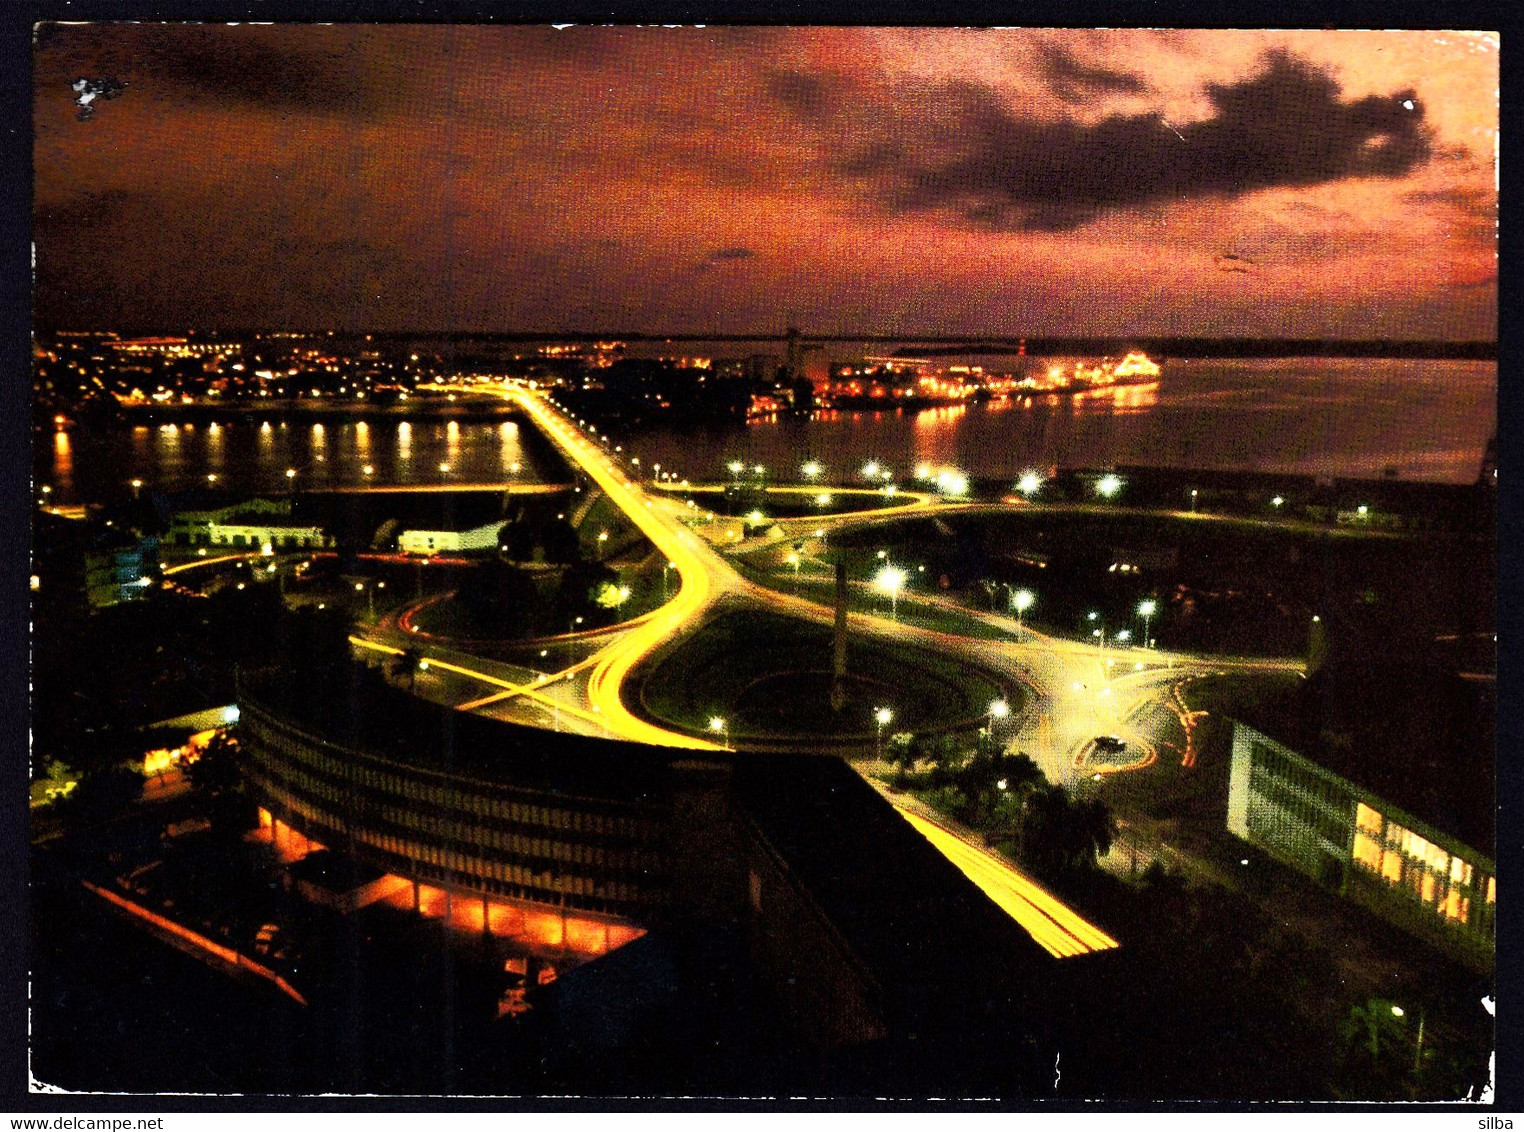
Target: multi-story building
pixel 1363 846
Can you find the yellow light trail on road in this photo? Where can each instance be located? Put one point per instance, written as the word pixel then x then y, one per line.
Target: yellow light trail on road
pixel 205 562
pixel 1056 927
pixel 614 663
pixel 510 688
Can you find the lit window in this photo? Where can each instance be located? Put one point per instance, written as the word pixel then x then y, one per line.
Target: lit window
pixel 1492 890
pixel 1368 819
pixel 1460 872
pixel 1426 892
pixel 1391 866
pixel 1368 851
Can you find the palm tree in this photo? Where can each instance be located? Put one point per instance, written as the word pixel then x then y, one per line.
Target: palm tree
pixel 1062 835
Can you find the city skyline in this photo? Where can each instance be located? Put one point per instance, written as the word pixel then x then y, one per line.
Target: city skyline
pixel 856 180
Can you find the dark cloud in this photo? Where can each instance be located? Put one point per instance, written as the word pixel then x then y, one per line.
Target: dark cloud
pixel 1285 125
pixel 723 256
pixel 1074 80
pixel 808 96
pixel 316 70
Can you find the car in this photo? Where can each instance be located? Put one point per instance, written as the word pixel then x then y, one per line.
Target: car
pixel 1110 743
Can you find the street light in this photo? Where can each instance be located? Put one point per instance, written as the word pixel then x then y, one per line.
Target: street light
pixel 1023 601
pixel 999 709
pixel 1146 610
pixel 1108 485
pixel 1029 484
pixel 891 578
pixel 811 470
pixel 793 560
pixel 882 716
pixel 718 725
pixel 1193 501
pixel 735 466
pixel 870 469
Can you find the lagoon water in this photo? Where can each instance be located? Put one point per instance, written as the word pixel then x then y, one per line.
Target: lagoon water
pixel 1358 418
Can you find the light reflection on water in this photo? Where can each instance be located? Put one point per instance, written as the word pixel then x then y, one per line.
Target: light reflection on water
pixel 253 455
pixel 1343 417
pixel 1312 416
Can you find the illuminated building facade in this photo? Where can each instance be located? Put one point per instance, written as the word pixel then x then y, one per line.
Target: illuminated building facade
pixel 483 537
pixel 255 524
pixel 460 832
pixel 1362 846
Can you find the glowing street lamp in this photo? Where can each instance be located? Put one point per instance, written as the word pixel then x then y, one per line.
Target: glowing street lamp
pixel 719 727
pixel 923 472
pixel 890 579
pixel 870 469
pixel 999 709
pixel 811 470
pixel 736 467
pixel 793 560
pixel 1029 484
pixel 1108 485
pixel 1146 610
pixel 1277 501
pixel 1023 600
pixel 291 473
pixel 882 716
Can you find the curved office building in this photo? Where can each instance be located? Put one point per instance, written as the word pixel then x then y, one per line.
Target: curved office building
pixel 467 804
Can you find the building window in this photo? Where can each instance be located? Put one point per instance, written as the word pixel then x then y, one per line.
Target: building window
pixel 1368 851
pixel 1368 819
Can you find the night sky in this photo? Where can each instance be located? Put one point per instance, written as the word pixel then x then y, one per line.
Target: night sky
pixel 735 180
